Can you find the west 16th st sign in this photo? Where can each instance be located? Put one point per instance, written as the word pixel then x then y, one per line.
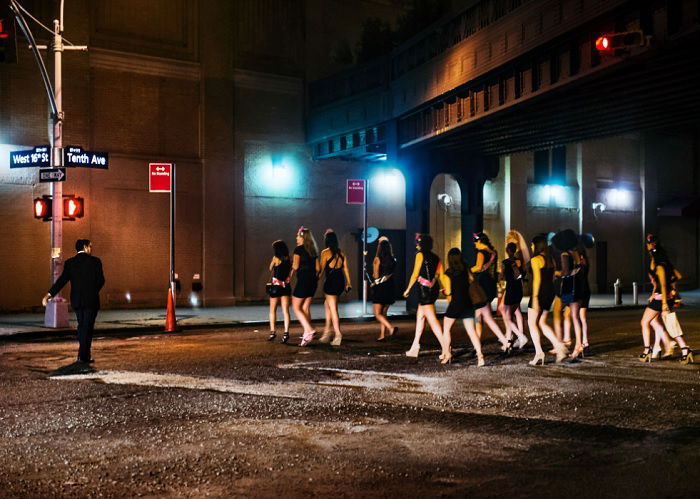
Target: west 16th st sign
pixel 39 156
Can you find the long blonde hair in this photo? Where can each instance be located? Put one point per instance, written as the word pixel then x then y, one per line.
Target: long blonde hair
pixel 309 242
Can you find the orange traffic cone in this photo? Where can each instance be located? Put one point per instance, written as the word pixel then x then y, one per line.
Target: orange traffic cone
pixel 170 320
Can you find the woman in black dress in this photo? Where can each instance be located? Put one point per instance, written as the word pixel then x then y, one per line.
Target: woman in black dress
pixel 460 306
pixel 383 288
pixel 305 267
pixel 485 273
pixel 334 265
pixel 541 300
pixel 583 294
pixel 427 270
pixel 661 301
pixel 280 268
pixel 513 272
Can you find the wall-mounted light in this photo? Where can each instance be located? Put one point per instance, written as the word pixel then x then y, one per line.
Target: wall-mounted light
pixel 619 198
pixel 444 201
pixel 387 182
pixel 553 193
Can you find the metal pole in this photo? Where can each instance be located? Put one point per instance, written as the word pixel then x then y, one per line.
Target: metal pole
pixel 172 231
pixel 364 251
pixel 56 315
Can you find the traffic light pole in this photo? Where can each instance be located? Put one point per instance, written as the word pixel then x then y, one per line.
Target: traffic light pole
pixel 56 315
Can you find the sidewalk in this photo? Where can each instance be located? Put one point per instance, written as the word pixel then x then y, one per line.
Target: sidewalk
pixel 153 320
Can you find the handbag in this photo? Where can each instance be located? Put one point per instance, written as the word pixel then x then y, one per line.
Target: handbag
pixel 424 285
pixel 672 325
pixel 477 295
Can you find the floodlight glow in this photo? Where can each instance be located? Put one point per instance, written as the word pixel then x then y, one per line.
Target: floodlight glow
pixel 552 194
pixel 619 198
pixel 387 182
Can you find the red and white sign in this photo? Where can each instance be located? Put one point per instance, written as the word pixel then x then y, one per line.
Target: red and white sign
pixel 355 193
pixel 159 177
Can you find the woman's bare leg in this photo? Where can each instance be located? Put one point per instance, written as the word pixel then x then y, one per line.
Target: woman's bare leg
pixel 285 312
pixel 567 325
pixel 447 323
pixel 487 317
pixel 533 318
pixel 473 337
pixel 575 319
pixel 434 323
pixel 584 325
pixel 273 312
pixel 648 316
pixel 298 307
pixel 420 324
pixel 549 333
pixel 379 311
pixel 332 301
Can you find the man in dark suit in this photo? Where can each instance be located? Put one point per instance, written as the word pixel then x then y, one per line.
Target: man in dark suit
pixel 84 272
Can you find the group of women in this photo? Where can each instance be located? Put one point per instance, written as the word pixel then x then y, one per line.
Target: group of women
pixel 331 265
pixel 559 280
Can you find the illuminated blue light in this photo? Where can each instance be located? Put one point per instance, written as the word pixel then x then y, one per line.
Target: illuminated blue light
pixel 619 198
pixel 553 194
pixel 388 182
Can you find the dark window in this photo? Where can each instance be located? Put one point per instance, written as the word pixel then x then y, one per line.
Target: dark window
pixel 554 67
pixel 369 136
pixel 574 58
pixel 558 175
pixel 542 166
pixel 330 146
pixel 595 56
pixel 501 91
pixel 356 139
pixel 487 96
pixel 536 77
pixel 343 143
pixel 472 103
pixel 518 83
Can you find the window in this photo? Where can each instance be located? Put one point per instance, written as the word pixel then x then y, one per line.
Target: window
pixel 550 166
pixel 536 76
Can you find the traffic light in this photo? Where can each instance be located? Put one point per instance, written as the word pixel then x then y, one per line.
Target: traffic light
pixel 42 208
pixel 612 43
pixel 8 42
pixel 72 207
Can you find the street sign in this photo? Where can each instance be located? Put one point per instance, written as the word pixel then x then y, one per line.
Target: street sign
pixel 39 156
pixel 79 157
pixel 52 175
pixel 159 177
pixel 355 192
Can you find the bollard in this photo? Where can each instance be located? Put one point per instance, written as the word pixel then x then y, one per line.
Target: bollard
pixel 618 296
pixel 635 293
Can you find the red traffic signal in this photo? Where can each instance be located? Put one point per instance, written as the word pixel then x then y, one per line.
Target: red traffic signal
pixel 73 207
pixel 614 42
pixel 602 44
pixel 8 44
pixel 42 208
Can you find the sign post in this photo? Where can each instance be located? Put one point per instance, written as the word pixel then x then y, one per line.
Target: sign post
pixel 161 178
pixel 356 193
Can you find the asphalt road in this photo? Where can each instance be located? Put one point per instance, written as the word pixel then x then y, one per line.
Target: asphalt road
pixel 223 413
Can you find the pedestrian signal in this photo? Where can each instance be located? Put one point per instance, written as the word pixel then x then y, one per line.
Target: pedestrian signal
pixel 73 207
pixel 42 208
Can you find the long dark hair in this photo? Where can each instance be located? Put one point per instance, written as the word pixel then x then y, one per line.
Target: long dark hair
pixel 455 261
pixel 331 242
pixel 385 252
pixel 280 250
pixel 541 247
pixel 309 242
pixel 511 249
pixel 657 252
pixel 425 242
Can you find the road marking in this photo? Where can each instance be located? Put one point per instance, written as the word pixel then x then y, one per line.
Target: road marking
pixel 188 382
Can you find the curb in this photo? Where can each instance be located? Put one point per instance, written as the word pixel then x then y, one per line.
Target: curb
pixel 181 328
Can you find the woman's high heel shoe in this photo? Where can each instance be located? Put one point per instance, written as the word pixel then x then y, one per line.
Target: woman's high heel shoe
pixel 446 359
pixel 337 340
pixel 480 360
pixel 272 336
pixel 562 353
pixel 687 356
pixel 285 337
pixel 645 356
pixel 656 353
pixel 306 339
pixel 413 352
pixel 577 354
pixel 668 353
pixel 539 358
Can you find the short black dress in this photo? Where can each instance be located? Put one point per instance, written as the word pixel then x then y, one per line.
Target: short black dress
pixel 428 269
pixel 280 278
pixel 514 283
pixel 307 281
pixel 335 279
pixel 385 292
pixel 487 277
pixel 460 306
pixel 582 293
pixel 657 304
pixel 546 293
